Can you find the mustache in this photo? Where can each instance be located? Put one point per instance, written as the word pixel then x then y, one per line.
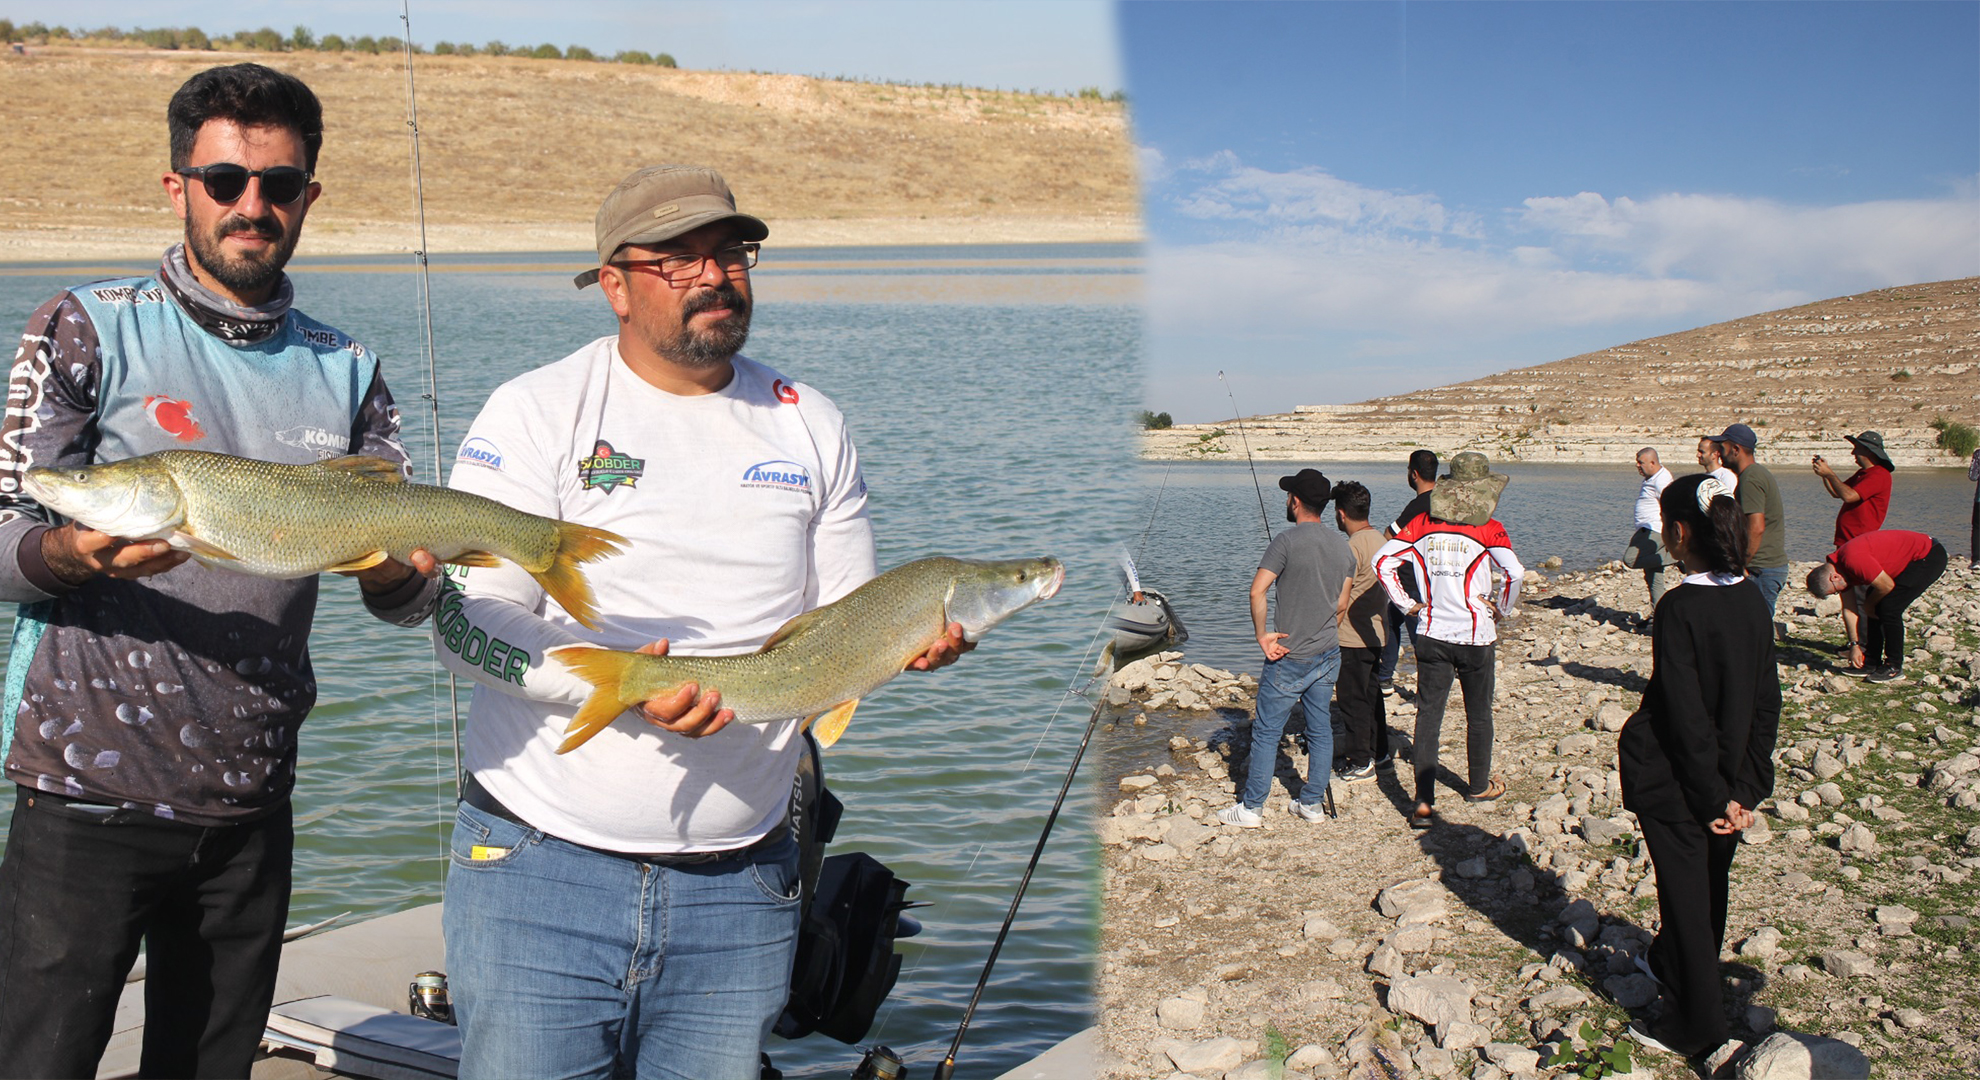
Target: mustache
pixel 724 295
pixel 264 227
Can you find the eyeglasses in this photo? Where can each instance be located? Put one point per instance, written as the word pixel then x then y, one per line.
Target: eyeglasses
pixel 678 269
pixel 227 182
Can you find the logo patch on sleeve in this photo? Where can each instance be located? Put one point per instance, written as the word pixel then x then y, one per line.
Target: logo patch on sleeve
pixel 785 392
pixel 175 418
pixel 479 451
pixel 606 468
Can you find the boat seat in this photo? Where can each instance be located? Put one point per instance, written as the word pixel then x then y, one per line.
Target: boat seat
pixel 351 1038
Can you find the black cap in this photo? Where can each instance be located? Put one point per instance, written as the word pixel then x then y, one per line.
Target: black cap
pixel 1310 486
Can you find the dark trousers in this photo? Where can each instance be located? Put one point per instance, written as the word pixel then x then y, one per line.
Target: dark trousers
pixel 81 885
pixel 1883 630
pixel 1693 867
pixel 1973 541
pixel 1475 668
pixel 1363 716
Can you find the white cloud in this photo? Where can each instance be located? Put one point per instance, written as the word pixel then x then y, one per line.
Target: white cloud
pixel 1307 199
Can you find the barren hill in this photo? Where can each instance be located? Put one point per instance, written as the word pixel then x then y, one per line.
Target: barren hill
pixel 1892 360
pixel 518 152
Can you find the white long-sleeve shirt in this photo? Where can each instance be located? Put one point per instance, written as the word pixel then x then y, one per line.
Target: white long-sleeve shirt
pixel 1453 567
pixel 744 508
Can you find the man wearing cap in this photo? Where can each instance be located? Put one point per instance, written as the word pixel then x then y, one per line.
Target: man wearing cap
pixel 631 907
pixel 1759 496
pixel 1454 548
pixel 1311 568
pixel 1892 567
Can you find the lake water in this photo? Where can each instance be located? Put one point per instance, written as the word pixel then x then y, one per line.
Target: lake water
pixel 989 389
pixel 1206 534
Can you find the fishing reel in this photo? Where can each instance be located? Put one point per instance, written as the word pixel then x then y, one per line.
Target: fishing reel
pixel 880 1063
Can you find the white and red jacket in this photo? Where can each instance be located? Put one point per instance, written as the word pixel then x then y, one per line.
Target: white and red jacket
pixel 1460 605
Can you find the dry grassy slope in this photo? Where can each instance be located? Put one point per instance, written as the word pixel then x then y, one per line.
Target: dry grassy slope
pixel 517 153
pixel 1890 360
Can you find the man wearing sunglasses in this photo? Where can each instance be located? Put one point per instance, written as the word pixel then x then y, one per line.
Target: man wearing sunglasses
pixel 154 706
pixel 741 492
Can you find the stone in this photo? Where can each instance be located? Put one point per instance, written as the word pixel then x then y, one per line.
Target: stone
pixel 1413 901
pixel 1830 794
pixel 1857 839
pixel 1310 1058
pixel 1560 997
pixel 1319 926
pixel 1459 1036
pixel 1435 1061
pixel 1414 938
pixel 1631 991
pixel 1580 742
pixel 1512 1057
pixel 1432 999
pixel 1762 943
pixel 1760 1019
pixel 1137 783
pixel 1909 1018
pixel 1600 831
pixel 1160 853
pixel 1611 717
pixel 1847 963
pixel 1256 1069
pixel 1473 868
pixel 1894 915
pixel 1214 1056
pixel 1386 961
pixel 1186 834
pixel 1179 1013
pixel 1826 766
pixel 1789 1055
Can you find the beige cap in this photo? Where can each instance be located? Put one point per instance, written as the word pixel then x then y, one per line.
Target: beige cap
pixel 660 202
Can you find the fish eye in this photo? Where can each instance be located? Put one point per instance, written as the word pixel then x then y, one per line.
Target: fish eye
pixel 1020 575
pixel 80 475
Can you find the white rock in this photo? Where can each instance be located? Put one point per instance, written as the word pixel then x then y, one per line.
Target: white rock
pixel 1459 1036
pixel 1386 961
pixel 1560 997
pixel 1179 1013
pixel 1137 783
pixel 1216 1055
pixel 1857 839
pixel 1432 999
pixel 1512 1057
pixel 1310 1058
pixel 1895 915
pixel 1787 1055
pixel 1762 943
pixel 1319 926
pixel 1847 963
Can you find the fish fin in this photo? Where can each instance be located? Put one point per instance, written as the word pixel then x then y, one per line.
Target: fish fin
pixel 790 629
pixel 186 541
pixel 476 558
pixel 605 670
pixel 831 723
pixel 362 562
pixel 371 468
pixel 564 580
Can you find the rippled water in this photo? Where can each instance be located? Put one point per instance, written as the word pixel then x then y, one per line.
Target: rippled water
pixel 989 390
pixel 1207 532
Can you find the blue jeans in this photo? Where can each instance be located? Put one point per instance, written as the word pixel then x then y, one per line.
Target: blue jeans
pixel 569 962
pixel 1770 581
pixel 1311 682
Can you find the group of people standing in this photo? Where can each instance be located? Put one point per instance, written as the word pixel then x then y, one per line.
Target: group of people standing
pixel 1446 573
pixel 631 908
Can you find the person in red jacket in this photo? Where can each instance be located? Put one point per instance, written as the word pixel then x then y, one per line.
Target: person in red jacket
pixel 1893 567
pixel 1866 498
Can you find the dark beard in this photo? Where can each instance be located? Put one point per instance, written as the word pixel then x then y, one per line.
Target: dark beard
pixel 1290 516
pixel 241 274
pixel 718 345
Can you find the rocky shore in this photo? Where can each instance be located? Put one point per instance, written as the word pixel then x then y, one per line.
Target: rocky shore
pixel 1506 937
pixel 1893 360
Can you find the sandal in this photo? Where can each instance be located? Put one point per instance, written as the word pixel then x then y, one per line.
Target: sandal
pixel 1494 788
pixel 1422 817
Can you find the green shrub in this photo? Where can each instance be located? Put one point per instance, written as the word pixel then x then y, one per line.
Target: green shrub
pixel 1955 438
pixel 332 43
pixel 665 60
pixel 546 51
pixel 1155 421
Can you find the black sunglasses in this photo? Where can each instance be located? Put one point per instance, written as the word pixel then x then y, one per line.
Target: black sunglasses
pixel 227 182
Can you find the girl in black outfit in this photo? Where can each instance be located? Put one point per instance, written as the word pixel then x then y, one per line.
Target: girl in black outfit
pixel 1698 756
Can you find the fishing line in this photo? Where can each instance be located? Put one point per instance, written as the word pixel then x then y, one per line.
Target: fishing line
pixel 1145 533
pixel 1238 418
pixel 432 399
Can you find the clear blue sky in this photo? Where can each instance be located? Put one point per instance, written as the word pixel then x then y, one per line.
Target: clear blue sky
pixel 1354 199
pixel 1057 45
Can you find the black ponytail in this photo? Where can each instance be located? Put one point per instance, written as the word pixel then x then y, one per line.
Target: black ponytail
pixel 1718 536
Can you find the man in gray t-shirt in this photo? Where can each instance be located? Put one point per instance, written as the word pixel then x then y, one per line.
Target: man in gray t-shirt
pixel 1311 566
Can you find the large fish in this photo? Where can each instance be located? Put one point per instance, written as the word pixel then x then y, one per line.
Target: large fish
pixel 289 521
pixel 821 663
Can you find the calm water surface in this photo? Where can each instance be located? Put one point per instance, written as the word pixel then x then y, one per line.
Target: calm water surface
pixel 989 390
pixel 1206 533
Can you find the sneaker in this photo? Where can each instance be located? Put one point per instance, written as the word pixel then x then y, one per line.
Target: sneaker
pixel 1643 965
pixel 1307 811
pixel 1640 1034
pixel 1849 672
pixel 1241 816
pixel 1358 773
pixel 1386 761
pixel 1886 674
pixel 1388 688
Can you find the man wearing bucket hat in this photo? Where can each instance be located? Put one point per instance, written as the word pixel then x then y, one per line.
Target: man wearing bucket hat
pixel 1310 566
pixel 1866 498
pixel 632 907
pixel 1453 549
pixel 1759 496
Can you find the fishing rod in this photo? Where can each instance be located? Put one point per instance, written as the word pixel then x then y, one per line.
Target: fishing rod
pixel 432 394
pixel 947 1069
pixel 1238 418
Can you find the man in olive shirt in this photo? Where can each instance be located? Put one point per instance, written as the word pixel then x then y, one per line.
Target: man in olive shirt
pixel 1760 500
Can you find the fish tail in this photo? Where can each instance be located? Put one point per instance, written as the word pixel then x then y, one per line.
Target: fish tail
pixel 605 670
pixel 564 579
